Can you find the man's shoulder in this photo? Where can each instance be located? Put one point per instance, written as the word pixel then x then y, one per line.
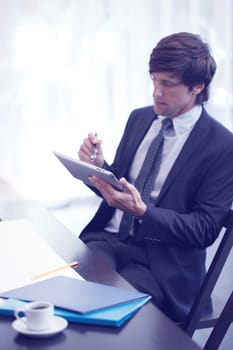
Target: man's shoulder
pixel 216 124
pixel 217 130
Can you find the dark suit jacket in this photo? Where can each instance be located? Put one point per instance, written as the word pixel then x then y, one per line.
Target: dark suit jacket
pixel 190 210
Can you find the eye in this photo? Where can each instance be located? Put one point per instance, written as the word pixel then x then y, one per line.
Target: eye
pixel 170 83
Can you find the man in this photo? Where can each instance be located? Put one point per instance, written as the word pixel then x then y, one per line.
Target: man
pixel 163 250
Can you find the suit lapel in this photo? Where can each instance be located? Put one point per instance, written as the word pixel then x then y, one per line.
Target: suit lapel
pixel 140 128
pixel 195 140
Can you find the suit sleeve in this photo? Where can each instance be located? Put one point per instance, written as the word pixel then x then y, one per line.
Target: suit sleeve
pixel 196 225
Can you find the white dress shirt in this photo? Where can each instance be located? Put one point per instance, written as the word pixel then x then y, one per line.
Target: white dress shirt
pixel 173 143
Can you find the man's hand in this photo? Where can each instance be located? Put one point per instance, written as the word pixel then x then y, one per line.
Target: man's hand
pixel 129 200
pixel 86 148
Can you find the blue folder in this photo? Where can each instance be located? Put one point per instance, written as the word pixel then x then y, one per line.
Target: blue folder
pixel 78 300
pixel 74 294
pixel 114 316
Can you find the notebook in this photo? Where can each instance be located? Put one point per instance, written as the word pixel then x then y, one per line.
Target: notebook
pixel 75 295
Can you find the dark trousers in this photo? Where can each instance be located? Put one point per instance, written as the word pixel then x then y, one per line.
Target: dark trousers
pixel 129 259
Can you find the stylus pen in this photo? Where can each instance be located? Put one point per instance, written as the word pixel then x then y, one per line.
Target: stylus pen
pixel 93 148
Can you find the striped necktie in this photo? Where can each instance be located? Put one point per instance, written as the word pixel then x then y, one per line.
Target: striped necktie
pixel 146 178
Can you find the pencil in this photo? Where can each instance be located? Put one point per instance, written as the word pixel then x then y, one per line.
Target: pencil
pixel 57 269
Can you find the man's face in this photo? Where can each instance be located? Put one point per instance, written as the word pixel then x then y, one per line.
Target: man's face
pixel 171 97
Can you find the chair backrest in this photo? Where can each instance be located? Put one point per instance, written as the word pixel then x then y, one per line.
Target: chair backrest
pixel 221 327
pixel 211 277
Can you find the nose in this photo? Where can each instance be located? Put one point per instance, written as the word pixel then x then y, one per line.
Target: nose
pixel 157 90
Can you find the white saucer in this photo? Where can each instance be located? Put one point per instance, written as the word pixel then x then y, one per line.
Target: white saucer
pixel 59 324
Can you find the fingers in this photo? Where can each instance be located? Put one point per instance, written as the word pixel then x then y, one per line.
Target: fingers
pixel 104 187
pixel 90 151
pixel 109 193
pixel 135 204
pixel 129 200
pixel 93 138
pixel 127 187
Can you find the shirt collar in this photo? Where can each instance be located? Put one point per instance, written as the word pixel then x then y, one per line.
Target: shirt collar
pixel 186 121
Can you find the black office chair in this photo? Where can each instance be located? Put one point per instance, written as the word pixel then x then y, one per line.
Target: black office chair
pixel 195 320
pixel 221 326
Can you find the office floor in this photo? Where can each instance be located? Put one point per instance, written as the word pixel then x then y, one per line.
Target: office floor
pixel 75 214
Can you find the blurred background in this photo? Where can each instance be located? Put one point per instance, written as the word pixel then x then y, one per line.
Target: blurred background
pixel 68 67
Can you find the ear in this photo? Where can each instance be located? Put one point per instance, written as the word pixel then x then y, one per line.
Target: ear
pixel 197 89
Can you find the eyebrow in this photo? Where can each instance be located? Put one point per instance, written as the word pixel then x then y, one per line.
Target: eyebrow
pixel 169 75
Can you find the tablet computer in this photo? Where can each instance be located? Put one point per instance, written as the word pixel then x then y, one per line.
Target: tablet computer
pixel 82 171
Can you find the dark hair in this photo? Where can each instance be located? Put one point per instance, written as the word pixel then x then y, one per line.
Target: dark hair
pixel 187 56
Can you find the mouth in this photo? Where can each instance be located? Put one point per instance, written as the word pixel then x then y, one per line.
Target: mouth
pixel 159 103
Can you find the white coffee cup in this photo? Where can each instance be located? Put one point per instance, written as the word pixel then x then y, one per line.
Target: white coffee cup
pixel 37 315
